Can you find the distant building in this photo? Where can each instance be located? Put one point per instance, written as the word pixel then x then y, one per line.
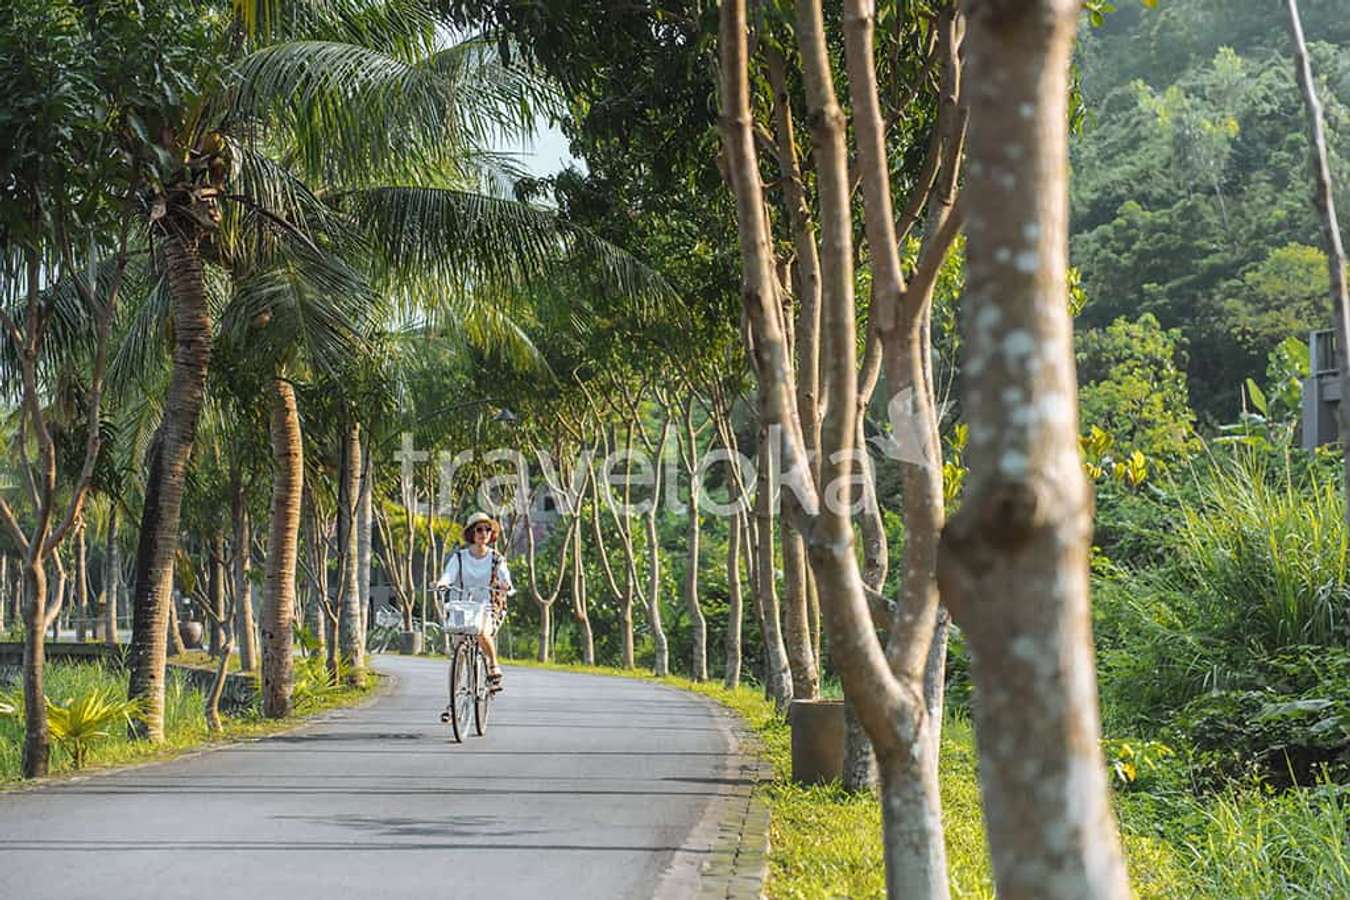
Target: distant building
pixel 1321 391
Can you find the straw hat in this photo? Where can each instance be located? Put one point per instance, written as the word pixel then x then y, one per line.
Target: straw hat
pixel 467 534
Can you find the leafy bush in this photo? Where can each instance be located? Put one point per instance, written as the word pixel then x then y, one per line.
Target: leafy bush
pixel 1293 730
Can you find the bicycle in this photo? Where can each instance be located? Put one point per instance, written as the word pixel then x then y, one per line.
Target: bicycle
pixel 465 619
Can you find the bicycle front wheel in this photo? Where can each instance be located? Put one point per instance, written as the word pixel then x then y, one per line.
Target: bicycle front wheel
pixel 481 695
pixel 461 691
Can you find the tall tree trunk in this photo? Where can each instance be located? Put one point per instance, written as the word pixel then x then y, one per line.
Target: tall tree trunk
pixel 579 603
pixel 349 620
pixel 112 580
pixel 1325 202
pixel 152 591
pixel 82 605
pixel 661 647
pixel 173 635
pixel 4 590
pixel 1014 558
pixel 216 594
pixel 697 623
pixel 37 741
pixel 364 525
pixel 797 617
pixel 288 473
pixel 243 580
pixel 860 763
pixel 777 669
pixel 626 617
pixel 731 677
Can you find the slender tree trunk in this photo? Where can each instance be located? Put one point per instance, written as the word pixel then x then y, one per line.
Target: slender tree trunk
pixel 626 616
pixel 860 763
pixel 731 678
pixel 1014 558
pixel 778 672
pixel 1324 200
pixel 797 615
pixel 82 605
pixel 352 642
pixel 661 647
pixel 364 526
pixel 175 646
pixel 579 603
pixel 697 623
pixel 4 590
pixel 934 679
pixel 288 473
pixel 216 594
pixel 243 581
pixel 112 579
pixel 545 631
pixel 37 741
pixel 152 591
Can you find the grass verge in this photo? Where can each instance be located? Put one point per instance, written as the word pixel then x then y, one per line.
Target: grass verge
pixel 826 842
pixel 184 719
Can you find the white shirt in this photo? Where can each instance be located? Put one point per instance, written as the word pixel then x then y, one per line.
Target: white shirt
pixel 477 573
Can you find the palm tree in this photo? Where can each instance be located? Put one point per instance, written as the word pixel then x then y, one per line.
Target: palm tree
pixel 362 98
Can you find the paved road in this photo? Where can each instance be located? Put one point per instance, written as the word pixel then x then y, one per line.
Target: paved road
pixel 584 786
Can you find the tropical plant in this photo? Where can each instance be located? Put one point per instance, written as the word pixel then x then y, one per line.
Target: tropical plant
pixel 81 720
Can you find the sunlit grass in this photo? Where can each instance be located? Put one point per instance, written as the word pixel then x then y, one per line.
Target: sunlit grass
pixel 184 720
pixel 826 842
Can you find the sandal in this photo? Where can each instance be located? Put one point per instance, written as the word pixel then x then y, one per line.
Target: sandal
pixel 495 681
pixel 445 716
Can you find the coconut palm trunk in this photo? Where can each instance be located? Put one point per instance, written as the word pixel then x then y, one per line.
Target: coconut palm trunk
pixel 152 591
pixel 288 474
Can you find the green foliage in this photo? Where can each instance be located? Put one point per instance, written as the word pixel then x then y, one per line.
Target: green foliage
pixel 1134 390
pixel 1190 198
pixel 1136 764
pixel 79 721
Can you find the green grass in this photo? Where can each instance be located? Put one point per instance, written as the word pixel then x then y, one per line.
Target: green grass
pixel 826 842
pixel 184 721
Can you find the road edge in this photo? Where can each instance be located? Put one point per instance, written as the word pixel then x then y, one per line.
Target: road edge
pixel 387 682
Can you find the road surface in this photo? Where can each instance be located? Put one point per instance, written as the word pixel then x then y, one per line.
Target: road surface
pixel 584 786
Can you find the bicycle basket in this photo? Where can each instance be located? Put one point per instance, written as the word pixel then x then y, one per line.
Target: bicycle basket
pixel 471 617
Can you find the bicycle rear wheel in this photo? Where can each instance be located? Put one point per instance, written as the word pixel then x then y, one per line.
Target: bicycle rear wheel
pixel 461 691
pixel 482 694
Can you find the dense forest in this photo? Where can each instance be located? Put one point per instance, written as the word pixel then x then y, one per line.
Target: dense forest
pixel 1190 198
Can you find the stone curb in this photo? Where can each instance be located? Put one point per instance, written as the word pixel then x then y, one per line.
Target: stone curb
pixel 738 861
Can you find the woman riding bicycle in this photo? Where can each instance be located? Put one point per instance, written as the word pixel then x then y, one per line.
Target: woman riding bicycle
pixel 480 572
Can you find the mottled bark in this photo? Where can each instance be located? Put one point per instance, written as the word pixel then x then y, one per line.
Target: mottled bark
pixel 152 590
pixel 288 474
pixel 112 579
pixel 1014 559
pixel 860 763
